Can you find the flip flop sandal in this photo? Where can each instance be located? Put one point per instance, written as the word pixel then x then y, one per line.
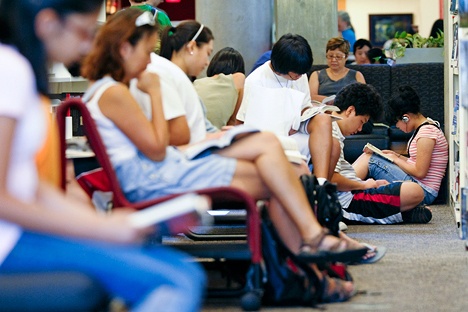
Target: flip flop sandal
pixel 379 253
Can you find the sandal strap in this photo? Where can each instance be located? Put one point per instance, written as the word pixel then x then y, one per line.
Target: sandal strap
pixel 313 245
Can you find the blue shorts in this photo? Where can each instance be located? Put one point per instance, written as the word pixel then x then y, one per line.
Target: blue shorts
pixel 382 169
pixel 142 178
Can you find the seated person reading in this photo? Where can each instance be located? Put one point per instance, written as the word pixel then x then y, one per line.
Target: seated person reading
pixel 276 94
pixel 148 167
pixel 427 154
pixel 370 201
pixel 221 91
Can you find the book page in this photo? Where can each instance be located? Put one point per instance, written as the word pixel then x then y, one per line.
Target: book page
pixel 376 150
pixel 225 140
pixel 172 208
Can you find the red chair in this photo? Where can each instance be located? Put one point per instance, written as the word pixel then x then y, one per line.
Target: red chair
pixel 221 197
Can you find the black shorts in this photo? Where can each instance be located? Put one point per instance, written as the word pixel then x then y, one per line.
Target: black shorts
pixel 375 206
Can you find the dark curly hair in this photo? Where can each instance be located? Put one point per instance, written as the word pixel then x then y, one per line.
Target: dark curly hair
pixel 365 99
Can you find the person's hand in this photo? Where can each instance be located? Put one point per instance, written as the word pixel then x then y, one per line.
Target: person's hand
pixel 382 182
pixel 148 81
pixel 370 183
pixel 117 228
pixel 226 128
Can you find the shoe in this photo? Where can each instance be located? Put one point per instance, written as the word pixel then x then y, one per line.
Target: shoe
pixel 343 227
pixel 338 293
pixel 419 214
pixel 310 251
pixel 378 251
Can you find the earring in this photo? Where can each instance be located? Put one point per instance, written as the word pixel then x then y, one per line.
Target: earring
pixel 191 52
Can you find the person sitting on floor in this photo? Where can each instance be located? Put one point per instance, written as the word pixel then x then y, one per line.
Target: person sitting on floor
pixel 370 201
pixel 148 167
pixel 427 157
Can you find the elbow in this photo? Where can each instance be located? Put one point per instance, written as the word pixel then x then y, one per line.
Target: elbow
pixel 157 154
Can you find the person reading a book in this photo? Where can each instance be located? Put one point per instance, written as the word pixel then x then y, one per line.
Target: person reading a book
pixel 427 153
pixel 221 91
pixel 41 229
pixel 370 201
pixel 148 167
pixel 329 81
pixel 277 98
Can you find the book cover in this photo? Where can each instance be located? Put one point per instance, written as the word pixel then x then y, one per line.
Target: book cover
pixel 175 215
pixel 205 147
pixel 377 151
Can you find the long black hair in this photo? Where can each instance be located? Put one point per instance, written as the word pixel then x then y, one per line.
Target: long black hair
pixel 17 20
pixel 175 38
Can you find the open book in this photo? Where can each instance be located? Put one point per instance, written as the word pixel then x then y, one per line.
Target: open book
pixel 318 108
pixel 292 150
pixel 177 214
pixel 205 147
pixel 378 151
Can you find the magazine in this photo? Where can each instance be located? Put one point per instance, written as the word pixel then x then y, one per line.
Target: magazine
pixel 292 150
pixel 186 210
pixel 205 147
pixel 377 150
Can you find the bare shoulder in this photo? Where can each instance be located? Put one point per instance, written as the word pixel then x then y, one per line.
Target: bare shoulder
pixel 239 79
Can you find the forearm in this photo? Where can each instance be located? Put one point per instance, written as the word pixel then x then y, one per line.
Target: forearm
pixel 159 122
pixel 344 184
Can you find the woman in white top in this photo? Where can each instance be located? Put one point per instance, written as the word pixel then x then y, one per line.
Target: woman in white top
pixel 40 229
pixel 152 167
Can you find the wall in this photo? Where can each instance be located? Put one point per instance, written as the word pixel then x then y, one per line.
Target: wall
pixel 245 25
pixel 315 20
pixel 425 12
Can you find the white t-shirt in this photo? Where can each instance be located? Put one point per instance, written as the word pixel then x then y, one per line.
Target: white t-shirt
pixel 255 94
pixel 19 100
pixel 179 97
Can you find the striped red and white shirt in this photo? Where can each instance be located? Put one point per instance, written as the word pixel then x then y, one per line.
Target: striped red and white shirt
pixel 439 156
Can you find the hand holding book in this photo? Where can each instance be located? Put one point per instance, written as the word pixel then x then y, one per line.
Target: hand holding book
pixel 371 148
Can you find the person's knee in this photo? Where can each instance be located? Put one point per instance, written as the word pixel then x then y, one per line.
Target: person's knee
pixel 411 194
pixel 269 140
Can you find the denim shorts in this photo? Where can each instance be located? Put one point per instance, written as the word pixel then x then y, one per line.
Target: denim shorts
pixel 382 169
pixel 142 178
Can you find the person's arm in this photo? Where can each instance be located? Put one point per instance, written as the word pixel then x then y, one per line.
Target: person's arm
pixel 151 137
pixel 424 147
pixel 51 212
pixel 179 131
pixel 239 80
pixel 314 87
pixel 360 77
pixel 345 184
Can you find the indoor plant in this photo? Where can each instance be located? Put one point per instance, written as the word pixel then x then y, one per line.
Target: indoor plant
pixel 404 41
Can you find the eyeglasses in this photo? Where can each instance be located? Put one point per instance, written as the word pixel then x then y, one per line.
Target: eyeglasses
pixel 146 18
pixel 336 57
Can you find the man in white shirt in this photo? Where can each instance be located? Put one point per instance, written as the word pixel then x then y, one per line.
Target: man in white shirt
pixel 277 94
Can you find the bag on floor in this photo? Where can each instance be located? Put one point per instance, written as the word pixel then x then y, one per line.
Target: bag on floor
pixel 324 202
pixel 288 280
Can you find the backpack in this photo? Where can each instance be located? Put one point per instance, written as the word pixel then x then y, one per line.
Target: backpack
pixel 324 202
pixel 287 280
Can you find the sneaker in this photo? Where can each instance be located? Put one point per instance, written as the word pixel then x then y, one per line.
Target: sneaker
pixel 419 214
pixel 343 226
